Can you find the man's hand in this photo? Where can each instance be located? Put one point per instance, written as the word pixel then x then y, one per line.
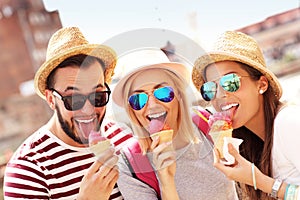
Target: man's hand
pixel 101 177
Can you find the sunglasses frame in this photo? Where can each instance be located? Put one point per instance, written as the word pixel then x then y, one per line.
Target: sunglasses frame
pixel 85 97
pixel 171 97
pixel 234 76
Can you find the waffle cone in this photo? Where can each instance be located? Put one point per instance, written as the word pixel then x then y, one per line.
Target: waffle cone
pixel 100 147
pixel 218 138
pixel 164 136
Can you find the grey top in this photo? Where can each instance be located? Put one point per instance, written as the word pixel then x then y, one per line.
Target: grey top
pixel 196 178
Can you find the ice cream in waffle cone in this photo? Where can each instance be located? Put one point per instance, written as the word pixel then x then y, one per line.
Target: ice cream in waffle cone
pixel 164 135
pixel 158 127
pixel 98 143
pixel 218 138
pixel 220 127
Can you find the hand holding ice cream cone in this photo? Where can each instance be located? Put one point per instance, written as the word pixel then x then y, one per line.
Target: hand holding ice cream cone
pixel 221 132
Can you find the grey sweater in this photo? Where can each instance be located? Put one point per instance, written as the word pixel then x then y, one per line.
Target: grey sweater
pixel 195 178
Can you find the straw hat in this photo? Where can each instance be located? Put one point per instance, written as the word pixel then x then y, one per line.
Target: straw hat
pixel 235 46
pixel 145 59
pixel 68 42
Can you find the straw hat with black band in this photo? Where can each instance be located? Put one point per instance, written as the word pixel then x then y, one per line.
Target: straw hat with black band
pixel 235 46
pixel 68 42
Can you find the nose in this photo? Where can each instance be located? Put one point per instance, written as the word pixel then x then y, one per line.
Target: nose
pixel 151 101
pixel 88 108
pixel 220 92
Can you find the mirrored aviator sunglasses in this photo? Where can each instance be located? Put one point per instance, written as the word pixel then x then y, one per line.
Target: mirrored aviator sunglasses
pixel 229 82
pixel 77 101
pixel 139 100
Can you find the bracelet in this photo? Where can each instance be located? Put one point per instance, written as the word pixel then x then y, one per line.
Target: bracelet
pixel 286 191
pixel 275 188
pixel 290 192
pixel 253 176
pixel 297 194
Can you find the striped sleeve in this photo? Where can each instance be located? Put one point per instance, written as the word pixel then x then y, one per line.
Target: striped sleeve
pixel 45 168
pixel 118 133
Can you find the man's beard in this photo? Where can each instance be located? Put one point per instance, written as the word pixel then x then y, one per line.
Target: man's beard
pixel 69 128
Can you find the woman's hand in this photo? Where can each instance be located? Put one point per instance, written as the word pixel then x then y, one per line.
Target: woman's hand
pixel 240 171
pixel 164 160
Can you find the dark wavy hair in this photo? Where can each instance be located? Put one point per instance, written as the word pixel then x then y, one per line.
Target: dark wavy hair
pixel 253 148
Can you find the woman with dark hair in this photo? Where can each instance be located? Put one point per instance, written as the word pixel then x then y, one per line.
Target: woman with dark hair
pixel 268 164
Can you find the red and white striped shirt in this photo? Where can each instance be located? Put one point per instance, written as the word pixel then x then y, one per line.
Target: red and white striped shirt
pixel 44 167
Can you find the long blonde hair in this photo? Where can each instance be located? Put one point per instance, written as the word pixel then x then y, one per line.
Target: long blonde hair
pixel 184 117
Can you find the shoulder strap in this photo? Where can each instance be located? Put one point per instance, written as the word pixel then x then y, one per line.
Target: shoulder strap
pixel 200 117
pixel 139 164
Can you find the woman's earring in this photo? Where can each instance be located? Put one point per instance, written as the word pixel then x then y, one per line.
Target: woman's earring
pixel 261 91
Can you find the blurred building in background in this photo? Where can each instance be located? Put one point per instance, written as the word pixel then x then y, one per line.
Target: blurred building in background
pixel 279 38
pixel 25 29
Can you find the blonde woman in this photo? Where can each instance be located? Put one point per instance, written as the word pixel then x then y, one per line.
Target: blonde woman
pixel 156 91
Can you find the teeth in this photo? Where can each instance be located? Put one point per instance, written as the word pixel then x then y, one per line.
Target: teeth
pixel 228 106
pixel 156 115
pixel 84 120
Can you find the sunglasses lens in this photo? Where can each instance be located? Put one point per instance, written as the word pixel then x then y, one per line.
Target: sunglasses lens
pixel 230 82
pixel 99 99
pixel 74 102
pixel 208 91
pixel 164 94
pixel 138 101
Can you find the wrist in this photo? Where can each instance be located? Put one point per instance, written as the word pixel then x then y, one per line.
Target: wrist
pixel 264 182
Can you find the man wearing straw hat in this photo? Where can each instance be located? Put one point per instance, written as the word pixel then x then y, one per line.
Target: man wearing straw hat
pixel 54 162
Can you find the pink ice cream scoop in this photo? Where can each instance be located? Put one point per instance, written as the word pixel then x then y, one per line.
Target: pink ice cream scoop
pixel 95 137
pixel 155 126
pixel 98 143
pixel 220 121
pixel 160 129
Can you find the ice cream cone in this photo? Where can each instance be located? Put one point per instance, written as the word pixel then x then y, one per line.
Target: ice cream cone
pixel 100 147
pixel 164 135
pixel 218 138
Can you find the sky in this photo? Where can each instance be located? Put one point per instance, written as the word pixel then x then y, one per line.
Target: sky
pixel 200 20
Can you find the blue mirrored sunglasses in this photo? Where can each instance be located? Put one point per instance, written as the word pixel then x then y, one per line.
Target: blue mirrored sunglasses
pixel 229 82
pixel 137 101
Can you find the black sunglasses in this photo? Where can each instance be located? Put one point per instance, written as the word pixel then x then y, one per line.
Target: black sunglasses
pixel 77 101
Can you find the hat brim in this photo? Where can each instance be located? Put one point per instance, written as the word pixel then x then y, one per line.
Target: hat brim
pixel 178 69
pixel 106 54
pixel 202 62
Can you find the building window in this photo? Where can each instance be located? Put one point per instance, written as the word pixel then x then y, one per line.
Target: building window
pixel 41 37
pixel 38 18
